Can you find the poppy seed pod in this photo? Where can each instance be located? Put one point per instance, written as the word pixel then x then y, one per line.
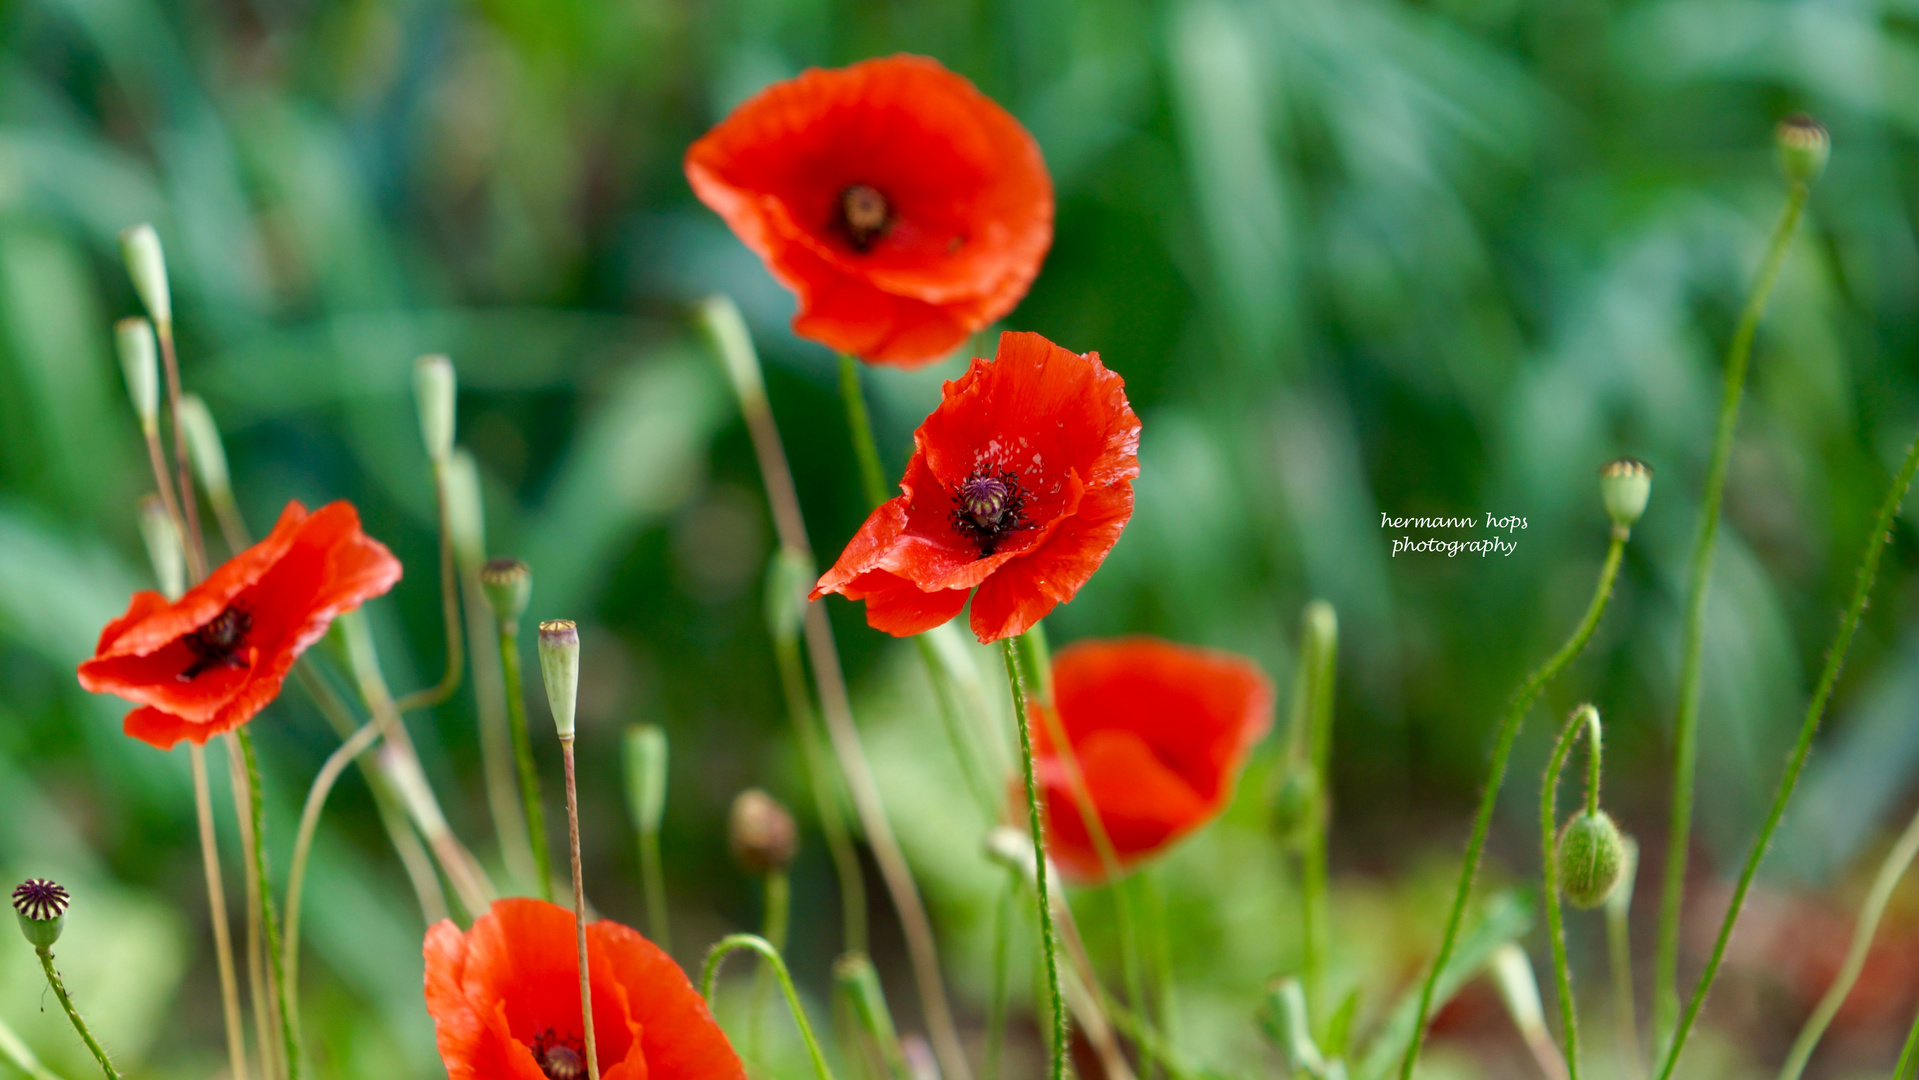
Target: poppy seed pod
pixel 1624 486
pixel 435 389
pixel 140 361
pixel 147 266
pixel 761 833
pixel 203 445
pixel 1803 146
pixel 508 585
pixel 560 669
pixel 1591 855
pixel 41 907
pixel 163 546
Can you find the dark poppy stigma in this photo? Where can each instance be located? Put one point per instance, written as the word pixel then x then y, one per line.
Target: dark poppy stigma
pixel 40 899
pixel 991 504
pixel 217 644
pixel 560 1057
pixel 864 214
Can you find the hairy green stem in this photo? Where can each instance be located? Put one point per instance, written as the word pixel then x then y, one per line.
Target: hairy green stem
pixel 523 755
pixel 1584 719
pixel 734 942
pixel 1049 945
pixel 1502 749
pixel 269 919
pixel 1815 710
pixel 779 903
pixel 73 1014
pixel 1686 728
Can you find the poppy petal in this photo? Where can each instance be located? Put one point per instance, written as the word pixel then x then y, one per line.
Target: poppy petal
pixel 1142 804
pixel 895 605
pixel 1026 589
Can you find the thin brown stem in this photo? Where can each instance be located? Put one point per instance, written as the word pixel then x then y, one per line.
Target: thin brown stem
pixel 157 458
pixel 189 509
pixel 217 915
pixel 579 908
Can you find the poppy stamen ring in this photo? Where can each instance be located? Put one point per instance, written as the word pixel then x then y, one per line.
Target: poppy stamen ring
pixel 559 1057
pixel 217 644
pixel 990 505
pixel 864 214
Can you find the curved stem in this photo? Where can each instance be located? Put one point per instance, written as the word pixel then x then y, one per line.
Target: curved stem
pixel 579 907
pixel 1908 1066
pixel 734 942
pixel 1815 710
pixel 449 607
pixel 217 915
pixel 779 903
pixel 1048 940
pixel 1502 749
pixel 846 861
pixel 523 757
pixel 323 782
pixel 860 425
pixel 1890 871
pixel 1586 719
pixel 268 918
pixel 73 1014
pixel 1686 728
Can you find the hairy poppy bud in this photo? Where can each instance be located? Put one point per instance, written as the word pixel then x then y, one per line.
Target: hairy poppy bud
pixel 163 546
pixel 1624 486
pixel 1804 147
pixel 560 668
pixel 203 447
pixel 761 833
pixel 140 361
pixel 41 907
pixel 1591 855
pixel 508 584
pixel 434 391
pixel 147 266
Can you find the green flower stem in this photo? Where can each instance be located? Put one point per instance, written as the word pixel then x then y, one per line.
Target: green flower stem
pixel 996 1004
pixel 73 1014
pixel 735 346
pixel 1890 871
pixel 523 756
pixel 1502 749
pixel 269 918
pixel 1585 719
pixel 265 1017
pixel 16 1052
pixel 1312 724
pixel 846 861
pixel 860 425
pixel 430 696
pixel 323 782
pixel 1815 710
pixel 1686 728
pixel 217 914
pixel 1908 1067
pixel 735 942
pixel 1619 949
pixel 1048 939
pixel 779 905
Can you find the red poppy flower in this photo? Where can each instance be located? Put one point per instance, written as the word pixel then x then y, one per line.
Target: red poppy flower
pixel 1160 732
pixel 905 207
pixel 207 662
pixel 1020 483
pixel 505 999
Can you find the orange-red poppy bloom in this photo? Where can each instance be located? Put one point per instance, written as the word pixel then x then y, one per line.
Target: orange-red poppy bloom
pixel 905 207
pixel 505 1000
pixel 1019 485
pixel 1160 732
pixel 207 662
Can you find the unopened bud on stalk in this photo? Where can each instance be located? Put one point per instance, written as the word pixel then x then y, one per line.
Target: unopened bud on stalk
pixel 646 776
pixel 163 546
pixel 1295 801
pixel 140 361
pixel 761 833
pixel 1804 147
pixel 147 266
pixel 508 585
pixel 434 391
pixel 560 668
pixel 1591 856
pixel 209 456
pixel 1624 486
pixel 41 907
pixel 1322 627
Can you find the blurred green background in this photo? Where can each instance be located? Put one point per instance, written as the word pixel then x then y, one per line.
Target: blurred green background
pixel 1352 257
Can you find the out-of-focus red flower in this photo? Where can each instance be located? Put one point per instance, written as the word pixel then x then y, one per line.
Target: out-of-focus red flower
pixel 1019 485
pixel 1160 732
pixel 207 662
pixel 505 1001
pixel 905 207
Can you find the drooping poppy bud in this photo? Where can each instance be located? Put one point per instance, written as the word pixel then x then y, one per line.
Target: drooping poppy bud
pixel 1804 147
pixel 761 833
pixel 1624 486
pixel 1590 856
pixel 41 907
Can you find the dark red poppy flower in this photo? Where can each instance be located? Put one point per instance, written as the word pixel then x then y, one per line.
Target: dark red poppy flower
pixel 1160 732
pixel 505 1000
pixel 905 207
pixel 1019 485
pixel 207 662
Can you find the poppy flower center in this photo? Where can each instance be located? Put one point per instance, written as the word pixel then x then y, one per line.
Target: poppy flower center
pixel 217 643
pixel 990 505
pixel 560 1057
pixel 864 215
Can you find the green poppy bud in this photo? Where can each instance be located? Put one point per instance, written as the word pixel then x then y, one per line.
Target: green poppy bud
pixel 1624 486
pixel 140 361
pixel 204 447
pixel 761 834
pixel 646 776
pixel 169 556
pixel 560 668
pixel 508 585
pixel 1590 857
pixel 147 266
pixel 1804 147
pixel 435 389
pixel 41 907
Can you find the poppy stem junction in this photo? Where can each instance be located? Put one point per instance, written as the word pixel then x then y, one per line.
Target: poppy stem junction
pixel 733 943
pixel 269 919
pixel 1815 711
pixel 1509 725
pixel 1686 727
pixel 1584 719
pixel 217 914
pixel 1049 942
